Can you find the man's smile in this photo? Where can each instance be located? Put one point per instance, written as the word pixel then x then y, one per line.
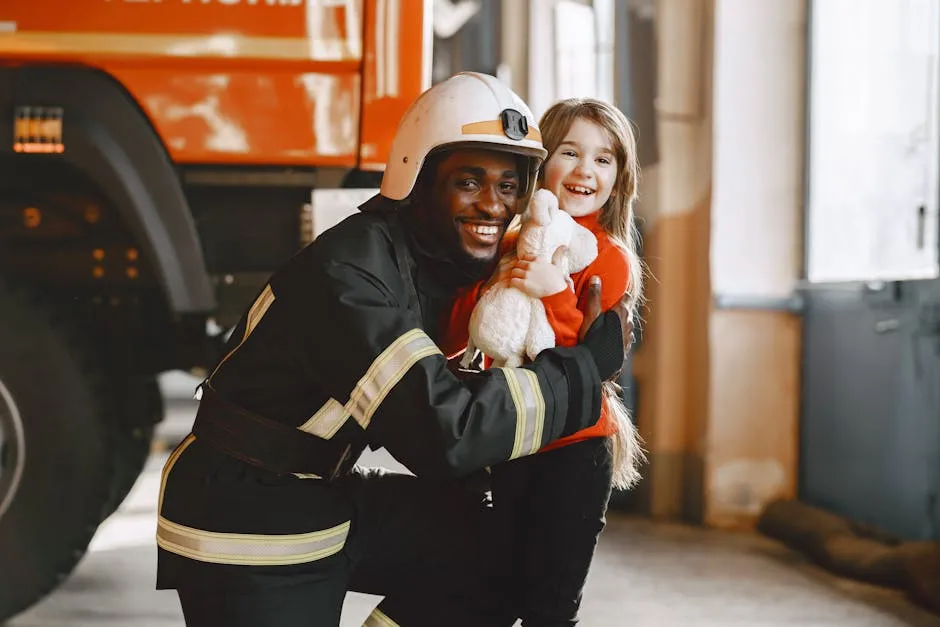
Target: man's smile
pixel 484 232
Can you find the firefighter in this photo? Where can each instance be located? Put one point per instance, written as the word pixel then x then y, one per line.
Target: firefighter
pixel 263 517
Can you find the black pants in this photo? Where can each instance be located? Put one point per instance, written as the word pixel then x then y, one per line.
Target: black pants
pixel 431 550
pixel 552 506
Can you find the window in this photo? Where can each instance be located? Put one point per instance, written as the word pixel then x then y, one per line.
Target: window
pixel 872 176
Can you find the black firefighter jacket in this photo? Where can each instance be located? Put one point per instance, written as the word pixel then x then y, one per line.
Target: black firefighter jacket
pixel 330 346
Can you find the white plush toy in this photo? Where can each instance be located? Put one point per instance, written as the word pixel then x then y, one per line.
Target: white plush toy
pixel 506 324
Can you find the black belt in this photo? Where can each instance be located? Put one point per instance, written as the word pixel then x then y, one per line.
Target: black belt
pixel 266 443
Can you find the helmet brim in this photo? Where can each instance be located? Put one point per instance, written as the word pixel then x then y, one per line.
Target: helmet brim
pixel 498 146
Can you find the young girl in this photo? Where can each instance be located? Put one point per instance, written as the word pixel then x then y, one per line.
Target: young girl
pixel 554 503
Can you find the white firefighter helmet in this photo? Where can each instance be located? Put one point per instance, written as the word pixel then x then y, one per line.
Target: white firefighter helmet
pixel 467 110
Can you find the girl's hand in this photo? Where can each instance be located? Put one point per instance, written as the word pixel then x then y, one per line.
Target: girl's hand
pixel 538 279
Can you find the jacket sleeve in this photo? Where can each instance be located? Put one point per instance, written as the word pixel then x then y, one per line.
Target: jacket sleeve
pixel 381 369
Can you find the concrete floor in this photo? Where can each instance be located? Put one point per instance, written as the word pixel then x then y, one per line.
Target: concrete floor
pixel 645 574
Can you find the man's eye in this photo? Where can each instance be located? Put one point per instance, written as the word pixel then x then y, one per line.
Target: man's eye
pixel 509 188
pixel 467 184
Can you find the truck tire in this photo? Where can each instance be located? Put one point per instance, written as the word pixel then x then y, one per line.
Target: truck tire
pixel 141 410
pixel 54 450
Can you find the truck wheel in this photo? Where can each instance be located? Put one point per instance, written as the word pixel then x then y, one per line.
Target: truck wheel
pixel 54 451
pixel 142 408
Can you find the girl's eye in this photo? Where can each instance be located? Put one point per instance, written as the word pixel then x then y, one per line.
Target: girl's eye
pixel 569 153
pixel 604 160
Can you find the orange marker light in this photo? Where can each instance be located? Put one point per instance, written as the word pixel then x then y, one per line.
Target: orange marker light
pixel 92 214
pixel 32 217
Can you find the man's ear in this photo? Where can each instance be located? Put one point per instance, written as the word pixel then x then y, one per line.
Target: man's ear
pixel 423 195
pixel 427 180
pixel 423 186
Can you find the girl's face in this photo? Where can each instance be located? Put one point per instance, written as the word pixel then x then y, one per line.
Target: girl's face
pixel 583 169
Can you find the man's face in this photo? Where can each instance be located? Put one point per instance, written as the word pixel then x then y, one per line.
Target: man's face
pixel 472 199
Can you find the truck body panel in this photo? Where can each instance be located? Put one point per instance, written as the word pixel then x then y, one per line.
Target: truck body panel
pixel 267 82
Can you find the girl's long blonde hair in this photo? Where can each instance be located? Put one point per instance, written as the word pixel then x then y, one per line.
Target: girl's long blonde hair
pixel 616 217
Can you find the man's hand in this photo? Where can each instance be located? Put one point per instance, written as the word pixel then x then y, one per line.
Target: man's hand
pixel 626 323
pixel 593 305
pixel 593 310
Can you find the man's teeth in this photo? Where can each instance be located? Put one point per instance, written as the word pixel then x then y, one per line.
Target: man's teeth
pixel 483 229
pixel 578 189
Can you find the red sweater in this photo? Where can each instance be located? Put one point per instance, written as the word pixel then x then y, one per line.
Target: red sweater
pixel 565 311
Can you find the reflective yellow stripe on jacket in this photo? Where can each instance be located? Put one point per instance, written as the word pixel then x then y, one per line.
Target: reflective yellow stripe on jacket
pixel 379 619
pixel 530 410
pixel 250 549
pixel 241 548
pixel 387 370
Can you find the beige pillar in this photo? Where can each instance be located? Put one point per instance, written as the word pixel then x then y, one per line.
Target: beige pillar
pixel 514 45
pixel 719 367
pixel 669 366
